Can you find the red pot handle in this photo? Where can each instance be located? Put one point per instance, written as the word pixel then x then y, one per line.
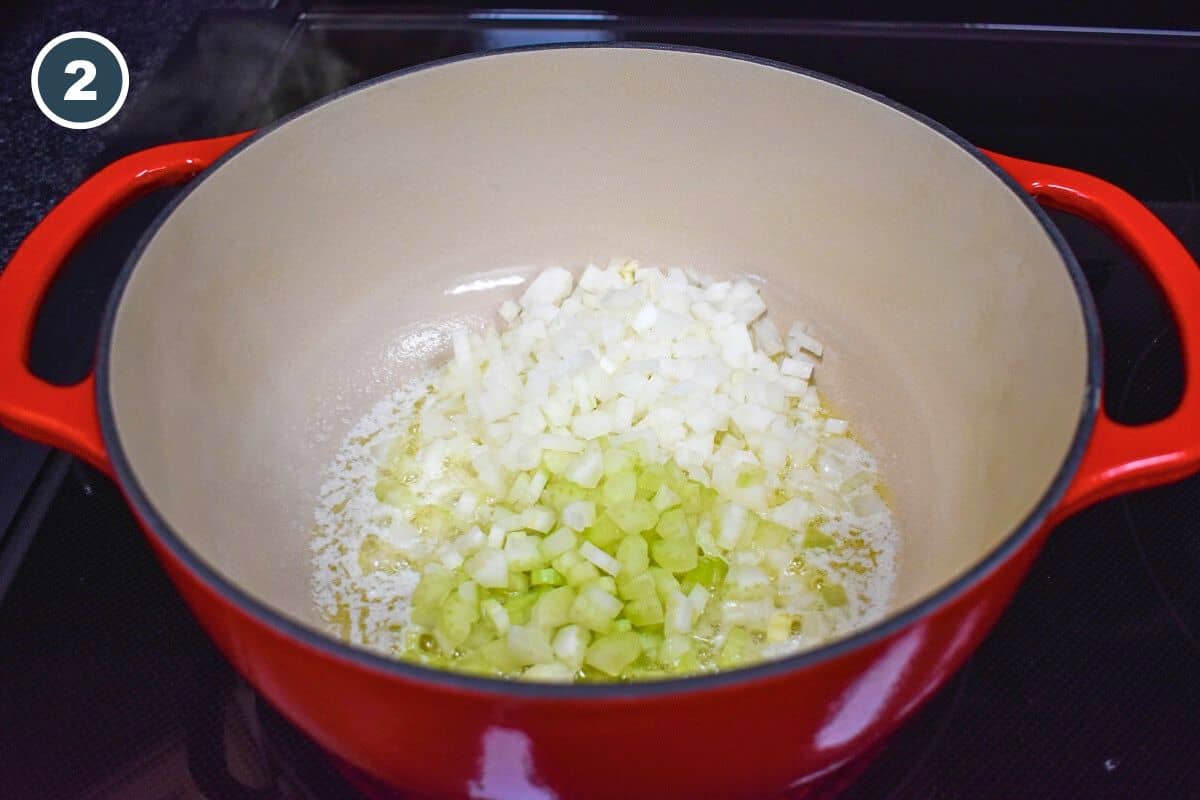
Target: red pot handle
pixel 1121 458
pixel 65 416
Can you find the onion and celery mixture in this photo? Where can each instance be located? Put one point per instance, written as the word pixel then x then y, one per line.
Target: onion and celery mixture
pixel 635 478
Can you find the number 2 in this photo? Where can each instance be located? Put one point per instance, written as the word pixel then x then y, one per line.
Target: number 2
pixel 78 90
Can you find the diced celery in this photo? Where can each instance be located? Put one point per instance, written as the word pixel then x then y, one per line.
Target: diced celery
pixel 635 516
pixel 570 645
pixel 522 552
pixel 604 531
pixel 564 562
pixel 673 648
pixel 560 493
pixel 815 537
pixel 613 652
pixel 618 488
pixel 633 556
pixel 664 582
pixel 495 614
pixel 595 609
pixel 557 543
pixel 581 573
pixel 551 609
pixel 550 673
pixel 617 459
pixel 454 623
pixel 709 572
pixel 497 654
pixel 547 576
pixel 834 594
pixel 736 649
pixel 638 587
pixel 771 534
pixel 605 583
pixel 649 481
pixel 644 611
pixel 675 555
pixel 529 645
pixel 673 524
pixel 435 584
pixel 518 581
pixel 519 607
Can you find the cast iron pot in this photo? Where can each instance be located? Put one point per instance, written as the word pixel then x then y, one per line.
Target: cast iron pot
pixel 315 263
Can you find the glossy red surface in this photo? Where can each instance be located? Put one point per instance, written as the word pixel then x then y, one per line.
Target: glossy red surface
pixel 1122 458
pixel 65 416
pixel 773 735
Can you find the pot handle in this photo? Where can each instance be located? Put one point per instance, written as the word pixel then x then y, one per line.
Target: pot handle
pixel 65 416
pixel 1121 458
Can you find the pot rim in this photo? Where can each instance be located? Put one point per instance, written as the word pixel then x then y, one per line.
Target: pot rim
pixel 432 678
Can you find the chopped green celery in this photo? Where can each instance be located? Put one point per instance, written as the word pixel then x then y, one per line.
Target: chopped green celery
pixel 751 476
pixel 595 609
pixel 618 488
pixel 605 583
pixel 497 654
pixel 560 493
pixel 551 609
pixel 664 582
pixel 636 587
pixel 673 648
pixel 673 524
pixel 689 496
pixel 650 479
pixel 604 531
pixel 454 623
pixel 529 645
pixel 564 562
pixel 618 459
pixel 481 633
pixel 557 543
pixel 581 573
pixel 771 534
pixel 435 584
pixel 635 516
pixel 622 624
pixel 633 556
pixel 710 572
pixel 548 576
pixel 815 537
pixel 644 611
pixel 613 652
pixel 675 555
pixel 522 552
pixel 834 594
pixel 519 607
pixel 737 648
pixel 518 581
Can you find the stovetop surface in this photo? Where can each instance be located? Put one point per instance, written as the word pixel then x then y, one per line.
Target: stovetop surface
pixel 1088 686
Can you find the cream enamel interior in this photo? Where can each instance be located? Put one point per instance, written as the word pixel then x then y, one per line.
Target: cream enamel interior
pixel 305 276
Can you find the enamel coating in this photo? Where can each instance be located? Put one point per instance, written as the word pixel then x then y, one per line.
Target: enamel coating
pixel 756 732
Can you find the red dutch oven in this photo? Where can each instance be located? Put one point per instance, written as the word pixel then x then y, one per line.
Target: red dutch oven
pixel 311 265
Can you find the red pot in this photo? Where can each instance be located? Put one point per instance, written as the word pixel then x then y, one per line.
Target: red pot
pixel 251 321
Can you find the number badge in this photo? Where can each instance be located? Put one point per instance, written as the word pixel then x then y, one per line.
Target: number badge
pixel 80 80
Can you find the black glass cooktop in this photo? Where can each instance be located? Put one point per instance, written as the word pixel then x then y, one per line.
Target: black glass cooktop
pixel 1089 686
